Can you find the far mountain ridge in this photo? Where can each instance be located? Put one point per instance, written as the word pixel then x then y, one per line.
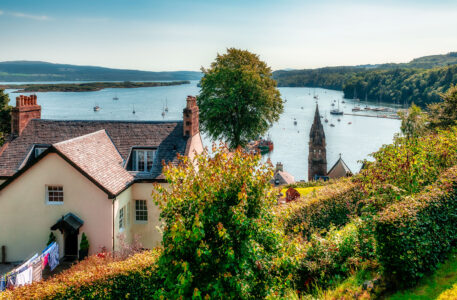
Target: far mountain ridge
pixel 45 71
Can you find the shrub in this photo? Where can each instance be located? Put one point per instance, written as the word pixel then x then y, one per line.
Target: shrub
pixel 332 204
pixel 220 239
pixel 414 235
pixel 51 239
pixel 97 278
pixel 84 244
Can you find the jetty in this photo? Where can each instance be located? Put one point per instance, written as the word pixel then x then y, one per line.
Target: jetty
pixel 375 116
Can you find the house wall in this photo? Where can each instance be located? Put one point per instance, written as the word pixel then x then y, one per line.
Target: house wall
pixel 148 232
pixel 25 218
pixel 123 200
pixel 196 146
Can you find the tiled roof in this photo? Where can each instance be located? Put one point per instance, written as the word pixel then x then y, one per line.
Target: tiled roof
pixel 167 136
pixel 96 155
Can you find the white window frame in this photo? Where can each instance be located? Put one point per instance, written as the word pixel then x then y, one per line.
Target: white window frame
pixel 122 218
pixel 143 209
pixel 135 162
pixel 47 186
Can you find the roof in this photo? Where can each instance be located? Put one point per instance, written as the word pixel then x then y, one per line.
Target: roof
pixel 286 177
pixel 317 134
pixel 166 136
pixel 341 164
pixel 68 222
pixel 96 156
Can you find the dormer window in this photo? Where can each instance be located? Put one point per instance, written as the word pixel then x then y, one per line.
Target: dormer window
pixel 39 150
pixel 142 160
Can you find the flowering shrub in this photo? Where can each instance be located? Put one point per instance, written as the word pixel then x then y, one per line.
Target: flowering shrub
pixel 220 238
pixel 332 204
pixel 97 278
pixel 415 234
pixel 407 165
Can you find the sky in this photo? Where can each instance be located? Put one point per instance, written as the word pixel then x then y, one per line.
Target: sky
pixel 172 35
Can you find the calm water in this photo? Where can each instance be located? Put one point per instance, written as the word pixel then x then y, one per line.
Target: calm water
pixel 364 136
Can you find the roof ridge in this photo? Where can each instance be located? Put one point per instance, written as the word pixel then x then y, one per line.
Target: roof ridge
pixel 83 137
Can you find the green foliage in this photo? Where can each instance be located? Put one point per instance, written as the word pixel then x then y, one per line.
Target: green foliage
pixel 406 166
pixel 402 86
pixel 333 204
pixel 84 244
pixel 413 122
pixel 414 235
pixel 98 278
pixel 52 239
pixel 220 239
pixel 444 114
pixel 238 100
pixel 5 116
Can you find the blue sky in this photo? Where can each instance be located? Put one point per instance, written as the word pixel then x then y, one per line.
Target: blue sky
pixel 185 35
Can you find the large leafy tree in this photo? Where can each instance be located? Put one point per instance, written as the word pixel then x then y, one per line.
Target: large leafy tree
pixel 220 240
pixel 5 116
pixel 238 100
pixel 444 114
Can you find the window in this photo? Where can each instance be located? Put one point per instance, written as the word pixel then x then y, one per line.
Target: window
pixel 39 150
pixel 122 218
pixel 54 194
pixel 143 160
pixel 141 210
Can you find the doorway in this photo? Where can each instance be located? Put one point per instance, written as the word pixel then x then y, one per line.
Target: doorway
pixel 71 244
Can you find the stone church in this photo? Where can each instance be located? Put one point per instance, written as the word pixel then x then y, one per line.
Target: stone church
pixel 317 157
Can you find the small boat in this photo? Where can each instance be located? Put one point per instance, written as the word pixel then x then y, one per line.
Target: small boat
pixel 166 105
pixel 343 101
pixel 163 111
pixel 302 107
pixel 339 119
pixel 295 122
pixel 332 125
pixel 333 104
pixel 337 111
pixel 96 108
pixel 357 108
pixel 349 123
pixel 115 97
pixel 133 111
pixel 326 120
pixel 316 97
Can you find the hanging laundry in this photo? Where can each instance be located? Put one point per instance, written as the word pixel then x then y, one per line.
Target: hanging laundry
pixel 44 261
pixel 54 256
pixel 24 277
pixel 36 270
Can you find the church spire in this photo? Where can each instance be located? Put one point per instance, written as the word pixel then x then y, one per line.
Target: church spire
pixel 317 157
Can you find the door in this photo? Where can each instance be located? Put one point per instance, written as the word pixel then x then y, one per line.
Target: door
pixel 71 244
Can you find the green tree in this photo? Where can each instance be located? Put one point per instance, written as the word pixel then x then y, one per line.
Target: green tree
pixel 220 239
pixel 238 100
pixel 413 122
pixel 5 116
pixel 444 114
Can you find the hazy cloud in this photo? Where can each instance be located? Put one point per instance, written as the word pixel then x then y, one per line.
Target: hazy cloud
pixel 1 12
pixel 28 16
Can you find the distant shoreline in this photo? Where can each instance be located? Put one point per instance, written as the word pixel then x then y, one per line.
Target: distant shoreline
pixel 84 87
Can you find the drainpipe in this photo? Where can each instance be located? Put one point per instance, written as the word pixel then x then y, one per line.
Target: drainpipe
pixel 114 199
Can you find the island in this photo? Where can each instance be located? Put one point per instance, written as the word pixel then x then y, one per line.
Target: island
pixel 85 87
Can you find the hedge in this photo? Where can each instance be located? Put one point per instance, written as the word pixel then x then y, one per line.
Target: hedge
pixel 331 205
pixel 97 278
pixel 415 234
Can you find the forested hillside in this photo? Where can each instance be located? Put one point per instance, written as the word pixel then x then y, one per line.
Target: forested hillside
pixel 419 81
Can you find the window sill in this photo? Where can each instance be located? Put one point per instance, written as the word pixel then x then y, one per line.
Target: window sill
pixel 54 203
pixel 141 222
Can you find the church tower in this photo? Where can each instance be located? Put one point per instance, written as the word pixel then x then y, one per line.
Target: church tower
pixel 317 158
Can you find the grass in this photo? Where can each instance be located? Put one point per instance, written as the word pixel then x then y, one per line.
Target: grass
pixel 303 191
pixel 432 286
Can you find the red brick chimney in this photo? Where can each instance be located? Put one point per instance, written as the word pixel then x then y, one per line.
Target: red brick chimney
pixel 190 117
pixel 26 109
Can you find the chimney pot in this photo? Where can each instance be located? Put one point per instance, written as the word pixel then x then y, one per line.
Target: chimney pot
pixel 190 117
pixel 25 110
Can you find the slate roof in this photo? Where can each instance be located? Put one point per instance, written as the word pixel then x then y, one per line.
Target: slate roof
pixel 166 136
pixel 341 162
pixel 96 155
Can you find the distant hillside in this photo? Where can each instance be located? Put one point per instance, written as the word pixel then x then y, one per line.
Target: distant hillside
pixel 44 71
pixel 420 80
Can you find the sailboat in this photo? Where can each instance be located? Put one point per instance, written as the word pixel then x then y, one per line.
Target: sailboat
pixel 166 105
pixel 115 97
pixel 356 108
pixel 96 107
pixel 133 111
pixel 326 120
pixel 163 111
pixel 337 111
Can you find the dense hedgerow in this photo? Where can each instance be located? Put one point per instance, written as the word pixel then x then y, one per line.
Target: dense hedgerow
pixel 333 204
pixel 415 234
pixel 98 278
